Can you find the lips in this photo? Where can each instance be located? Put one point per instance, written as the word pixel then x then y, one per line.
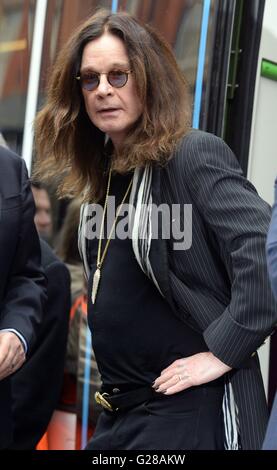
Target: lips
pixel 108 110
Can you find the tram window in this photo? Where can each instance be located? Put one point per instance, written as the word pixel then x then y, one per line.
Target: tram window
pixel 16 31
pixel 180 22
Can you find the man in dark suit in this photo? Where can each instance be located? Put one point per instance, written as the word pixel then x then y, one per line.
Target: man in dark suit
pixel 36 387
pixel 22 282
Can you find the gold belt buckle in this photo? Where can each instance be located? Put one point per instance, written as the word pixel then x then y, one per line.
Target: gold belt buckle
pixel 101 400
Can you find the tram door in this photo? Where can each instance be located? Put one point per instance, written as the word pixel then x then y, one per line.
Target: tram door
pixel 262 164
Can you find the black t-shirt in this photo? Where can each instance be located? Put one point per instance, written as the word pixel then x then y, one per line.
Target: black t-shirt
pixel 135 334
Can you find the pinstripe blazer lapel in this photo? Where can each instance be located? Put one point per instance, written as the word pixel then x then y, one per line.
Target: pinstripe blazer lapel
pixel 151 252
pixel 159 249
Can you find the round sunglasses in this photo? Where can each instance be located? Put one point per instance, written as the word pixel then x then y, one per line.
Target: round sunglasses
pixel 116 78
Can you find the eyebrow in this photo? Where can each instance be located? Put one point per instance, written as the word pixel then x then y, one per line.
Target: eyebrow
pixel 115 65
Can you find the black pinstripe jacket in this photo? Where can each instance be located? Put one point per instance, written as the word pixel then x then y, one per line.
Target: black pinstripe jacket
pixel 220 285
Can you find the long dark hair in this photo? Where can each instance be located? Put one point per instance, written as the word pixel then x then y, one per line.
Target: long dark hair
pixel 67 142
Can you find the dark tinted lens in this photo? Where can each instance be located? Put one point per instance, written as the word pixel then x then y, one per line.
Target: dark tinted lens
pixel 90 81
pixel 117 78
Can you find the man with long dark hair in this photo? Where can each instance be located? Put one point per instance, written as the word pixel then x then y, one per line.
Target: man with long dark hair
pixel 176 324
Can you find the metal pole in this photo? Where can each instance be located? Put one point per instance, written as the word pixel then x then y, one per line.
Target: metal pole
pixel 33 84
pixel 114 6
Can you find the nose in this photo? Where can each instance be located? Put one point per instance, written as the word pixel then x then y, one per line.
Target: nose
pixel 43 219
pixel 46 220
pixel 104 88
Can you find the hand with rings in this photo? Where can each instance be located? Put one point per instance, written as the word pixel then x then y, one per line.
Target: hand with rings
pixel 175 377
pixel 188 372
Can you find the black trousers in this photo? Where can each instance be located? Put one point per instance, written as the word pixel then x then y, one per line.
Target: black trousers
pixel 189 420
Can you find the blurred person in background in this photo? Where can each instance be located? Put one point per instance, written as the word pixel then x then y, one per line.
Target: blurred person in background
pixel 76 345
pixel 43 215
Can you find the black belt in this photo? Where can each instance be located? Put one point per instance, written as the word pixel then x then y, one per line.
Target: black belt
pixel 117 401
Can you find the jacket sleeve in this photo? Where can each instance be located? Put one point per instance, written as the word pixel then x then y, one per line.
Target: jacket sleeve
pixel 239 219
pixel 26 288
pixel 37 385
pixel 271 246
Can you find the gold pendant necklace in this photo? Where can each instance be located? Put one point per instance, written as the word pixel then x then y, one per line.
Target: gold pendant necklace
pixel 95 283
pixel 100 259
